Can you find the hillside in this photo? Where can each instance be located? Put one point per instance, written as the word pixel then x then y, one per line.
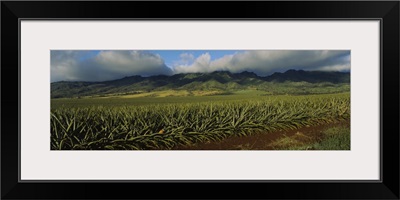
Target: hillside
pixel 311 77
pixel 291 81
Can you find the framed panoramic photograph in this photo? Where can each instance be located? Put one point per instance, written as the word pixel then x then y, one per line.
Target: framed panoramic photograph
pixel 200 99
pixel 113 98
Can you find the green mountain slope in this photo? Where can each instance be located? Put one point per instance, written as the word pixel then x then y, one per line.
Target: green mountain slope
pixel 291 81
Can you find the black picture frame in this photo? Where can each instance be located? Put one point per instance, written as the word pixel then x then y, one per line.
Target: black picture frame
pixel 386 11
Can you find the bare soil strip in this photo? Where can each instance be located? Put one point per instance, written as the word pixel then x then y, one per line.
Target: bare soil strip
pixel 264 141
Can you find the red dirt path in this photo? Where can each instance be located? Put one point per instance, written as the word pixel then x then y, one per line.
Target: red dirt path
pixel 261 141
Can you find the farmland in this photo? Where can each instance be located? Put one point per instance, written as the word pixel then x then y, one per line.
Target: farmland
pixel 174 118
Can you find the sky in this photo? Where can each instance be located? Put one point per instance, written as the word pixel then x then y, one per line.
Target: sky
pixel 102 65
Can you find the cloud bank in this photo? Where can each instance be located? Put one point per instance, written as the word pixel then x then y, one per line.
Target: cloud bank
pixel 106 65
pixel 266 62
pixel 110 65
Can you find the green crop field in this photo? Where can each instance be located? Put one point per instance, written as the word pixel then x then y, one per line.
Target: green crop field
pixel 167 121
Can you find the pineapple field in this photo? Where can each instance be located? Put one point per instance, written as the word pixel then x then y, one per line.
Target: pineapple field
pixel 165 123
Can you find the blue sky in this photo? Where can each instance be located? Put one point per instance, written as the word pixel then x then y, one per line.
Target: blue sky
pixel 101 65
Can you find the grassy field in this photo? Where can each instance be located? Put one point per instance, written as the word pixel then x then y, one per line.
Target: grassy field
pixel 333 138
pixel 169 119
pixel 158 98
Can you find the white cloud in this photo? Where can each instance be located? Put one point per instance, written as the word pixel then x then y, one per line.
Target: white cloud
pixel 200 64
pixel 106 65
pixel 61 64
pixel 345 67
pixel 186 57
pixel 265 62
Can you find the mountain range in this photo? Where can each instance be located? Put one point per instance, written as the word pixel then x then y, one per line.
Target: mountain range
pixel 218 80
